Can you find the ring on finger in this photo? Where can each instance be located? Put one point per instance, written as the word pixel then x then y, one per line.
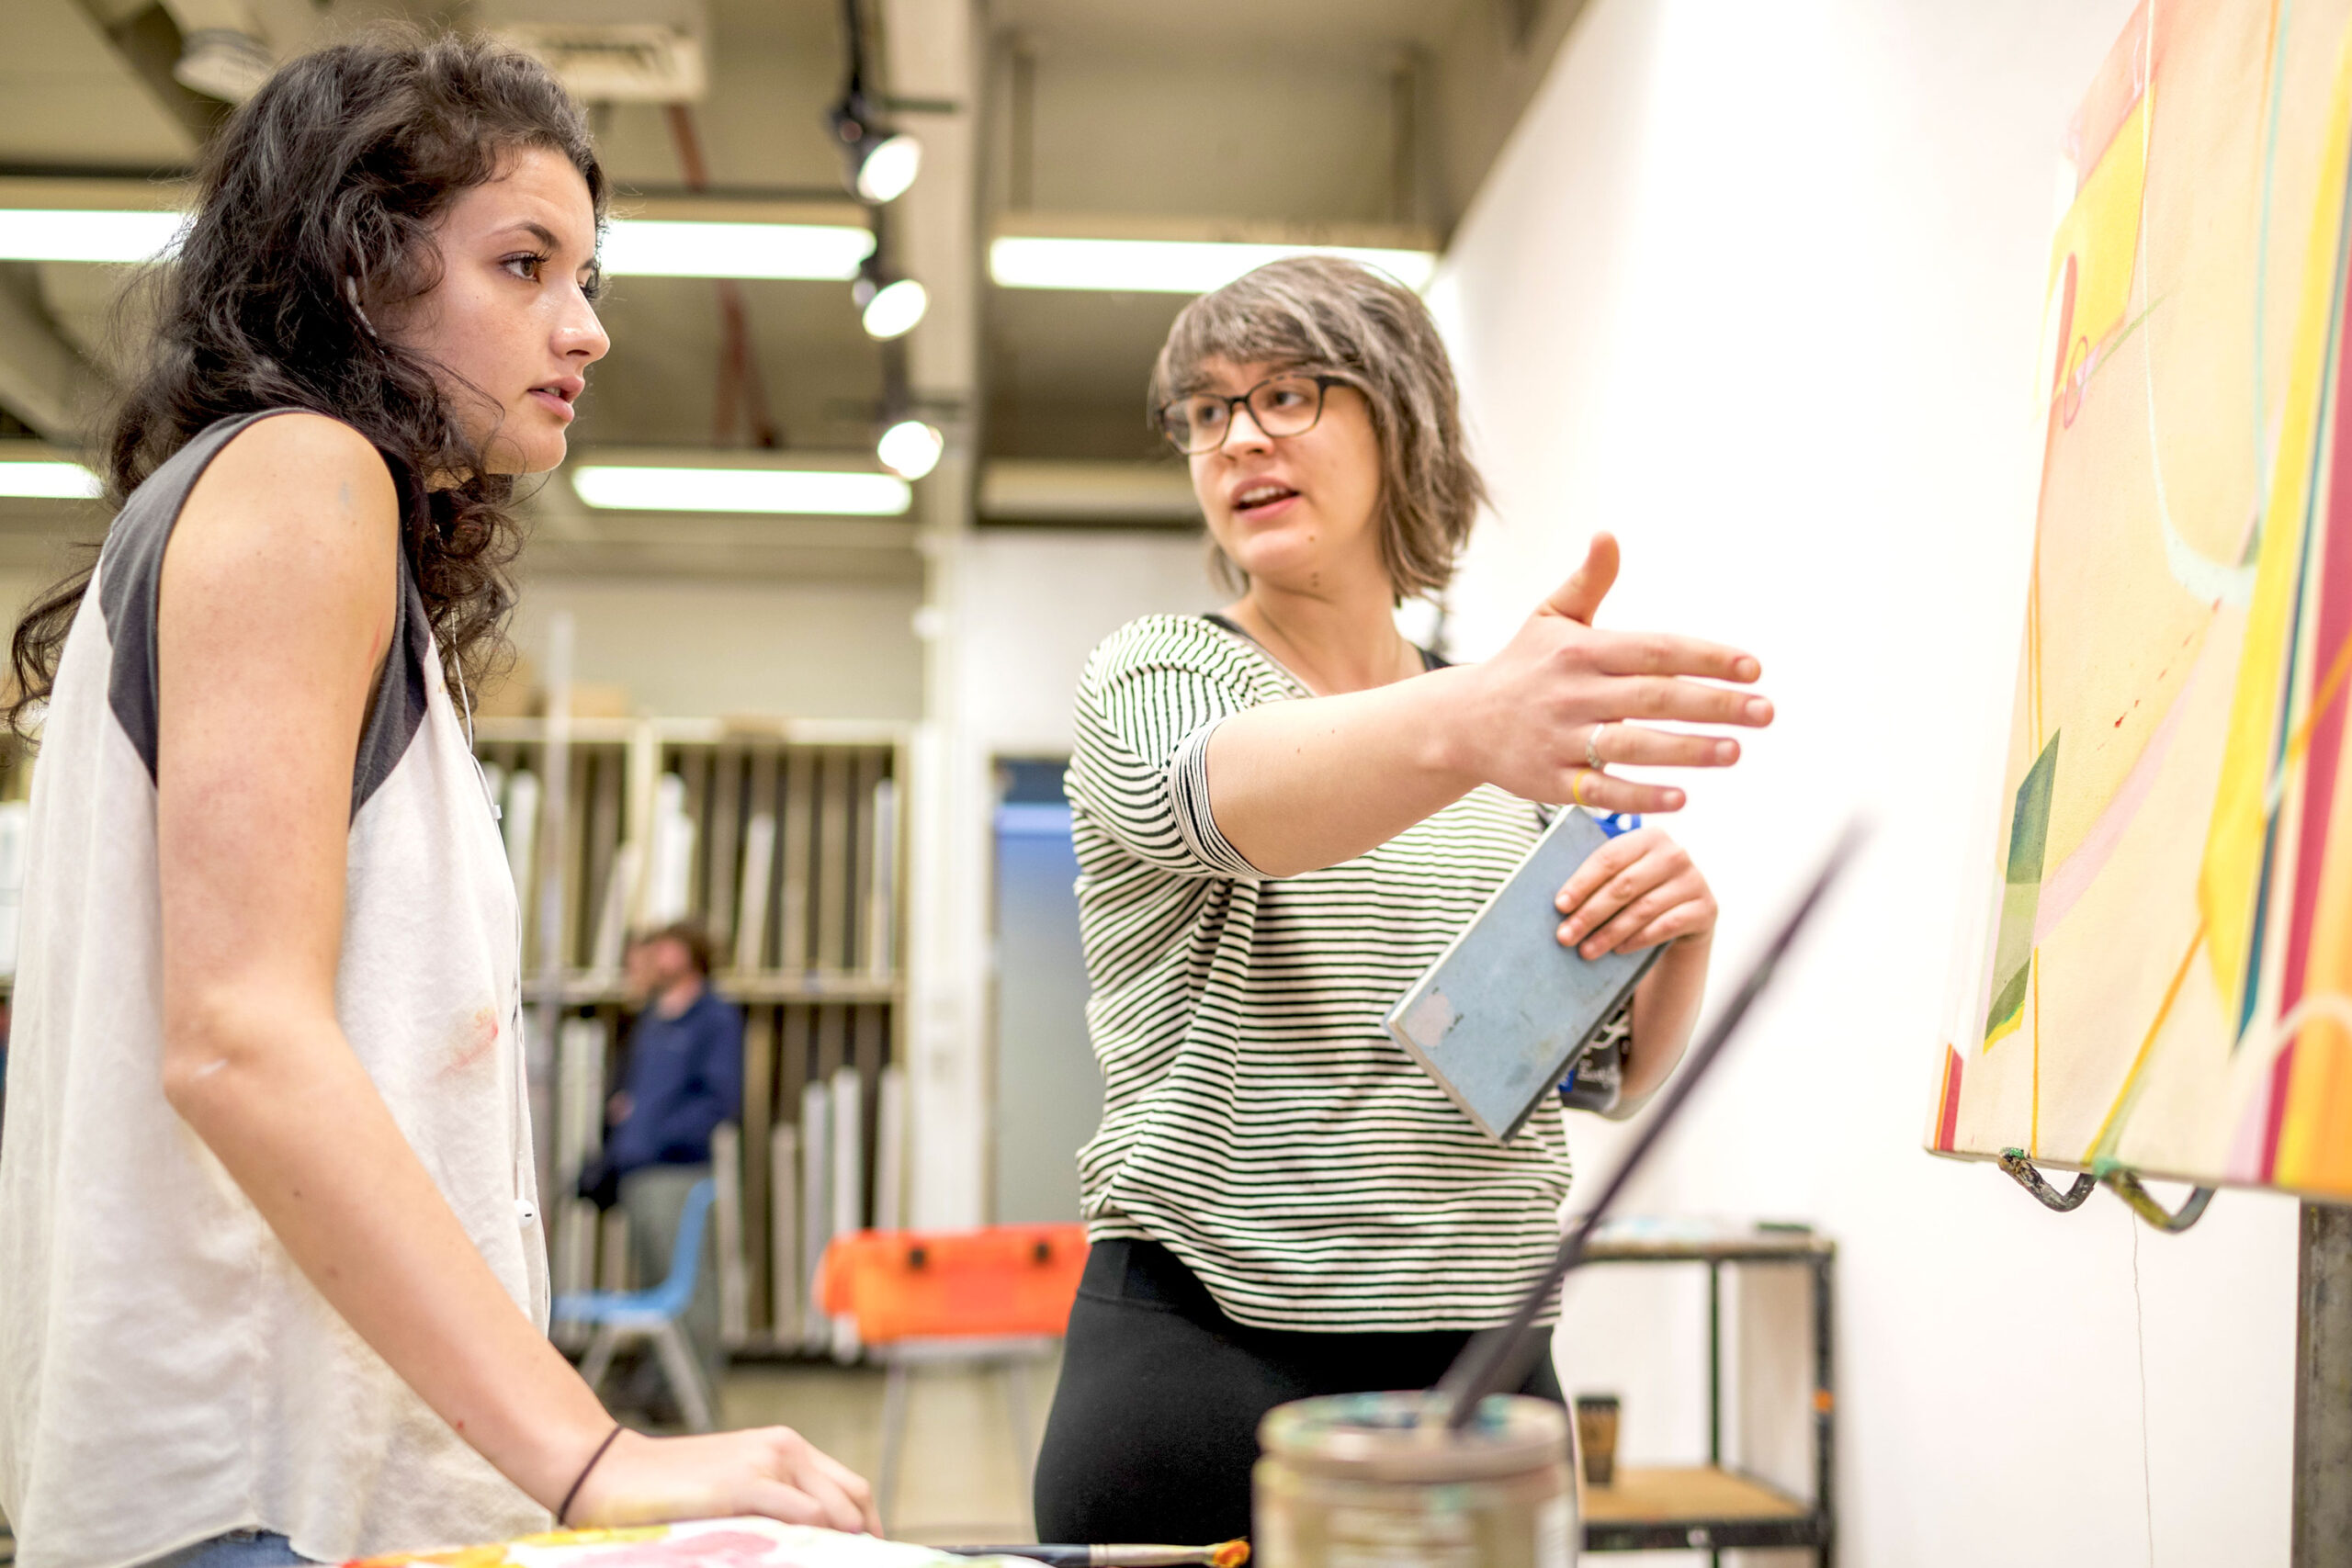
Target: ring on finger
pixel 1592 751
pixel 1576 786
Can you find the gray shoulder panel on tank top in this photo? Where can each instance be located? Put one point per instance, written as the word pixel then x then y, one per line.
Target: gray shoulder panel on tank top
pixel 131 576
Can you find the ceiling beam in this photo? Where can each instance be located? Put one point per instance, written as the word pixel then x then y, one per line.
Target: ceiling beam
pixel 149 42
pixel 43 381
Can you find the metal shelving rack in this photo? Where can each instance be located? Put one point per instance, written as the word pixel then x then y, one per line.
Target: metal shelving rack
pixel 1712 1508
pixel 796 867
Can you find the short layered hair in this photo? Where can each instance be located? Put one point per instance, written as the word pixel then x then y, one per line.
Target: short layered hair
pixel 1326 316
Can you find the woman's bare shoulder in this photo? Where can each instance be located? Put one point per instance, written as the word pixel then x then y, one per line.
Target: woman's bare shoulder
pixel 297 503
pixel 305 458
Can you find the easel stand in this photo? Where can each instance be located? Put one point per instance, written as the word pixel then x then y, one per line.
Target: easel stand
pixel 2322 1523
pixel 2323 1510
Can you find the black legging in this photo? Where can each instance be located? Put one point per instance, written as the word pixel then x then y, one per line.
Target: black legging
pixel 1154 1426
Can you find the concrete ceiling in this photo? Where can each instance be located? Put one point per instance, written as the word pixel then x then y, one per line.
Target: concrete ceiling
pixel 1220 24
pixel 1376 115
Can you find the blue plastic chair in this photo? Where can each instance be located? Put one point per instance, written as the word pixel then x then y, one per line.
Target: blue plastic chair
pixel 623 1316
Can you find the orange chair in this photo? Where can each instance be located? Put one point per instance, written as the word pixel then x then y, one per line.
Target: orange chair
pixel 998 1296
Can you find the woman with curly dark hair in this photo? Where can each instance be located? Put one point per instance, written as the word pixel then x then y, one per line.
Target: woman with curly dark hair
pixel 273 1283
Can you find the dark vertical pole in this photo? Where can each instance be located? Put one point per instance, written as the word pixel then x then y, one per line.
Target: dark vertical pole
pixel 1825 1409
pixel 1715 1362
pixel 1715 1375
pixel 2322 1509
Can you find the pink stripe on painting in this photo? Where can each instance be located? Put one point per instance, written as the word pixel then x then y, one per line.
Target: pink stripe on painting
pixel 2252 1146
pixel 2064 885
pixel 2282 1068
pixel 2334 572
pixel 1948 1124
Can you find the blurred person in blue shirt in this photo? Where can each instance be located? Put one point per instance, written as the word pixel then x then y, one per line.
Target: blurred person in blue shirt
pixel 682 1076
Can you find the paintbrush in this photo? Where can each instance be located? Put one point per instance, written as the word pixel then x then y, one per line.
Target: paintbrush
pixel 1224 1554
pixel 1499 1358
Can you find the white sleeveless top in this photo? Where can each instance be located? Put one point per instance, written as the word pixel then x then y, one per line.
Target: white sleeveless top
pixel 166 1372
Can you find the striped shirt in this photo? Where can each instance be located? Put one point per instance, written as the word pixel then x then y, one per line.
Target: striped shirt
pixel 1257 1121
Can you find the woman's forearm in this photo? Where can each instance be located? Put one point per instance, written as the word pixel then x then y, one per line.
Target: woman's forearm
pixel 1665 1009
pixel 1297 786
pixel 284 1104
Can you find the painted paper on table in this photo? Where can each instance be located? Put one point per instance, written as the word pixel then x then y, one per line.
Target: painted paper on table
pixel 708 1543
pixel 2164 976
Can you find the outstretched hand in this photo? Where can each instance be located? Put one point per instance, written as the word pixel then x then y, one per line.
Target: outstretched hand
pixel 1562 692
pixel 768 1472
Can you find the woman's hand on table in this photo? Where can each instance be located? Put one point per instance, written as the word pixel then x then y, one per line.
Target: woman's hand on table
pixel 1638 890
pixel 1560 692
pixel 768 1472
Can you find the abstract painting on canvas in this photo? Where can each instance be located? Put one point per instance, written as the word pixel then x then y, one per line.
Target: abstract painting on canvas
pixel 2164 977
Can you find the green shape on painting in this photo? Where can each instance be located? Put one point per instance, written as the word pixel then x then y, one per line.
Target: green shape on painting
pixel 2021 896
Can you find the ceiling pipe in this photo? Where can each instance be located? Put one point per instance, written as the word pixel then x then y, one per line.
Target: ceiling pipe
pixel 738 367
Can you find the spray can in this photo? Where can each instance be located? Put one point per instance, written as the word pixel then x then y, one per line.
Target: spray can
pixel 1377 1481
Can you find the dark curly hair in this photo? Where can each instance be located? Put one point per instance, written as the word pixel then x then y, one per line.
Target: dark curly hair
pixel 316 203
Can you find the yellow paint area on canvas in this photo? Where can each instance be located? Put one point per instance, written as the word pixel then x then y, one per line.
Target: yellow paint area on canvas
pixel 2102 232
pixel 2233 864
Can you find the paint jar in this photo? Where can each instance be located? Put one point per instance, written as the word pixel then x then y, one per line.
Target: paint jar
pixel 1376 1481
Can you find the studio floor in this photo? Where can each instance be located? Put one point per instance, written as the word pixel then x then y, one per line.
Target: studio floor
pixel 958 1481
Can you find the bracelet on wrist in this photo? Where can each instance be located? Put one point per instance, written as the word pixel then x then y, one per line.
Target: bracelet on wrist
pixel 564 1507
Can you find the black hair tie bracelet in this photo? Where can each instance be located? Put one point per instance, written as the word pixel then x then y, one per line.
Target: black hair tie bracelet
pixel 582 1479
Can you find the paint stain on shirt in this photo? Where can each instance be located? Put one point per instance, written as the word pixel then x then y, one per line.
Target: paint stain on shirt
pixel 476 1039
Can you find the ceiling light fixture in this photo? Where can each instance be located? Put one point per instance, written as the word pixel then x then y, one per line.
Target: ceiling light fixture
pixel 879 164
pixel 890 309
pixel 634 247
pixel 1170 267
pixel 47 480
pixel 911 448
pixel 647 247
pixel 804 491
pixel 64 234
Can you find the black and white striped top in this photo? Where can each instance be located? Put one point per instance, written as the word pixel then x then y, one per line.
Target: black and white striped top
pixel 1256 1119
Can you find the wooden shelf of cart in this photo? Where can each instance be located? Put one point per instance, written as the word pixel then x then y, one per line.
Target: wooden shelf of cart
pixel 1712 1508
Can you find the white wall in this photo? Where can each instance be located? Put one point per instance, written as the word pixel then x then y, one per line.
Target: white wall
pixel 702 649
pixel 1014 615
pixel 1035 601
pixel 1757 285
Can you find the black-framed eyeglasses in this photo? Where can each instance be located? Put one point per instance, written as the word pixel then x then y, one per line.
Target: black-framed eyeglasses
pixel 1287 404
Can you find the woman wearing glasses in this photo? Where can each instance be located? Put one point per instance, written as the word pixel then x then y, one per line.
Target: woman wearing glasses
pixel 1283 812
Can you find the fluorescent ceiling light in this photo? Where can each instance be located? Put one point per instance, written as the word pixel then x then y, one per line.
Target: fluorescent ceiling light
pixel 47 480
pixel 630 487
pixel 658 247
pixel 640 247
pixel 1170 267
pixel 64 234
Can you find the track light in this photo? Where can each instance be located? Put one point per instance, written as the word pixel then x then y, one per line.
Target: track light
pixel 890 309
pixel 881 163
pixel 911 448
pixel 888 167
